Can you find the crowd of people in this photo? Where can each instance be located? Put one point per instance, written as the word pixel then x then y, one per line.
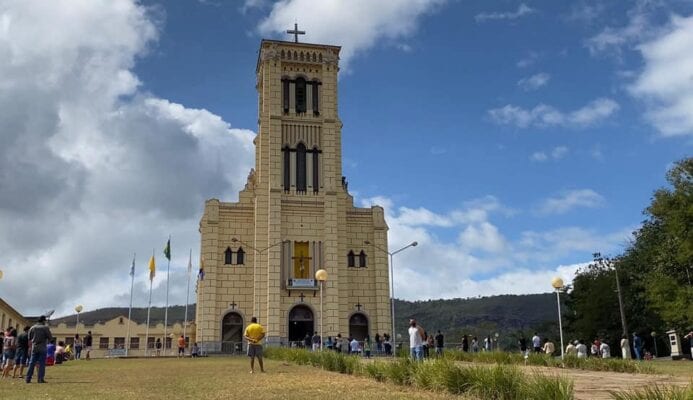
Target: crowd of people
pixel 379 345
pixel 29 349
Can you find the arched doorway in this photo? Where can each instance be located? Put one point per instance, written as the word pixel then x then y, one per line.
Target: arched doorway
pixel 231 332
pixel 358 326
pixel 300 323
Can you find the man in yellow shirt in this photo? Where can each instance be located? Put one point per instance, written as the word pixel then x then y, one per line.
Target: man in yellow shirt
pixel 254 333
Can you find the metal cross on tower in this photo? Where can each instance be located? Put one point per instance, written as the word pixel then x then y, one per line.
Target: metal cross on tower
pixel 295 32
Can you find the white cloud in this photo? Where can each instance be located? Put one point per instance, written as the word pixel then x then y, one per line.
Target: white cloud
pixel 93 168
pixel 531 58
pixel 570 200
pixel 522 10
pixel 559 152
pixel 556 153
pixel 544 115
pixel 610 40
pixel 534 82
pixel 356 25
pixel 481 260
pixel 666 81
pixel 539 156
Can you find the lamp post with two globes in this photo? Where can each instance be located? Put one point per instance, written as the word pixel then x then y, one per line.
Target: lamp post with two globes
pixel 78 309
pixel 392 282
pixel 321 277
pixel 557 284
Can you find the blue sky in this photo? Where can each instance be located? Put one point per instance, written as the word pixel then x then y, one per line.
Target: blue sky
pixel 511 139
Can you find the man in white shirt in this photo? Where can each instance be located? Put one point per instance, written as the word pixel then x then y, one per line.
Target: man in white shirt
pixel 536 343
pixel 605 350
pixel 416 336
pixel 581 350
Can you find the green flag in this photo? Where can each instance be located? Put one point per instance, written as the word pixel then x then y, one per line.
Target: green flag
pixel 167 250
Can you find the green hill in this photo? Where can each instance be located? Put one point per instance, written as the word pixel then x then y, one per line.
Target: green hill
pixel 139 315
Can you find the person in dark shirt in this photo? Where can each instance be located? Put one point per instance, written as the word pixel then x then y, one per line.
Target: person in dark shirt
pixel 440 343
pixel 22 355
pixel 39 336
pixel 88 340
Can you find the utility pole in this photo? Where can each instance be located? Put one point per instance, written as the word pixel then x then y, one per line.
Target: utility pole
pixel 620 299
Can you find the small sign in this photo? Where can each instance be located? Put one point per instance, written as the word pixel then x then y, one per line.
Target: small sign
pixel 302 283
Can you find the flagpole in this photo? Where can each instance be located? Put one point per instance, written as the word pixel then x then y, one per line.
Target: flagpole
pixel 187 298
pixel 168 269
pixel 132 285
pixel 149 308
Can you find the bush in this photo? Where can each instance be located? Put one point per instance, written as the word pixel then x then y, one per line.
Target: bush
pixel 656 393
pixel 502 381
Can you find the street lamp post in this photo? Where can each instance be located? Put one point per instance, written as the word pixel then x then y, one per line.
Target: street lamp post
pixel 78 309
pixel 321 276
pixel 557 284
pixel 392 282
pixel 256 306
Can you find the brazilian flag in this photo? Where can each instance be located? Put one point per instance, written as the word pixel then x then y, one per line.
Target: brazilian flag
pixel 167 250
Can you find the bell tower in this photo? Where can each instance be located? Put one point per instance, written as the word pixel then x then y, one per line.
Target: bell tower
pixel 294 217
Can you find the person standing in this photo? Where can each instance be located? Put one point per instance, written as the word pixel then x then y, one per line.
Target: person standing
pixel 87 344
pixel 637 346
pixel 9 348
pixel 316 341
pixel 367 347
pixel 440 344
pixel 416 337
pixel 354 347
pixel 581 349
pixel 475 345
pixel 604 349
pixel 158 346
pixel 387 344
pixel 378 344
pixel 78 347
pixel 22 353
pixel 487 343
pixel 548 347
pixel 523 345
pixel 536 343
pixel 465 343
pixel 254 333
pixel 39 336
pixel 570 349
pixel 338 343
pixel 625 348
pixel 181 346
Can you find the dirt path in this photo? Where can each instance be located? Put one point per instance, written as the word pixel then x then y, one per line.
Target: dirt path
pixel 595 385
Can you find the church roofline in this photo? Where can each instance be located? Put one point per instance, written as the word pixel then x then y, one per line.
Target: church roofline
pixel 299 44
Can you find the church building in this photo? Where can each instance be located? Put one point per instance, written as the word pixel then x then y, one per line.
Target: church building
pixel 294 217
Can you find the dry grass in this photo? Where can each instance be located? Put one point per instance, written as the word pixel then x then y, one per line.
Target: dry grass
pixel 208 378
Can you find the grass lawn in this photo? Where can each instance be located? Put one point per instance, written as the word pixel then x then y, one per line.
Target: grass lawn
pixel 202 378
pixel 677 368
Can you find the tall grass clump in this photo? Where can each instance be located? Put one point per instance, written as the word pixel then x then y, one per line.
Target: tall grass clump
pixel 502 381
pixel 542 387
pixel 656 392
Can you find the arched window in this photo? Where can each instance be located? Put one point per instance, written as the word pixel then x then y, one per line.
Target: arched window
pixel 240 256
pixel 362 259
pixel 316 169
pixel 285 95
pixel 287 168
pixel 228 256
pixel 351 261
pixel 283 55
pixel 301 168
pixel 316 98
pixel 300 95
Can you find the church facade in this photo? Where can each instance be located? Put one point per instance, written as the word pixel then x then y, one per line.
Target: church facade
pixel 294 217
